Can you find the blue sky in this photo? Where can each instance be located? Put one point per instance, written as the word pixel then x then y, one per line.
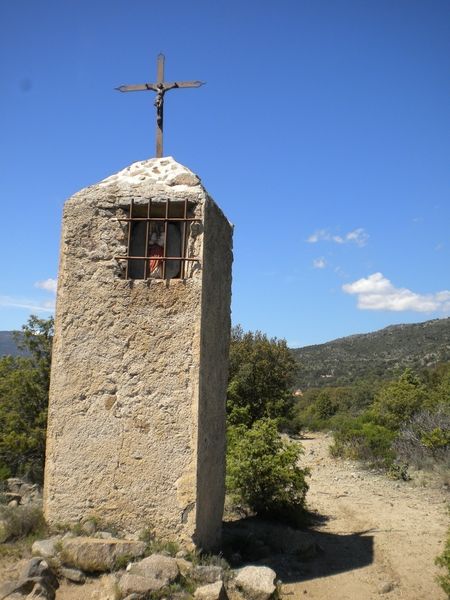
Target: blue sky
pixel 322 132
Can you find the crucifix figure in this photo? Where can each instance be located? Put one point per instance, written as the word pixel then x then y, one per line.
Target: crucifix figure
pixel 160 87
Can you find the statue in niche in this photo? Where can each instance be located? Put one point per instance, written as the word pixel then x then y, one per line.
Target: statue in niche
pixel 156 249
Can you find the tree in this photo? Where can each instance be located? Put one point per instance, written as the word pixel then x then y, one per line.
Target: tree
pixel 397 401
pixel 24 383
pixel 262 372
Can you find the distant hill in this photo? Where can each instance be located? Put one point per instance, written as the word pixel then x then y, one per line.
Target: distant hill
pixel 384 353
pixel 8 344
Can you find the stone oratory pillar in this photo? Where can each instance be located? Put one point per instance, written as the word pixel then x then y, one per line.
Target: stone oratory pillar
pixel 136 429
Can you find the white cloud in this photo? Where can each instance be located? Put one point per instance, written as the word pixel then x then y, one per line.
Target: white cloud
pixel 376 292
pixel 45 306
pixel 358 236
pixel 47 284
pixel 319 263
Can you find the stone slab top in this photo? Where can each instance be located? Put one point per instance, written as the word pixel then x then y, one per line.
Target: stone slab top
pixel 164 170
pixel 154 177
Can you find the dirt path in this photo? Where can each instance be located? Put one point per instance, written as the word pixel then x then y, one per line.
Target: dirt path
pixel 378 536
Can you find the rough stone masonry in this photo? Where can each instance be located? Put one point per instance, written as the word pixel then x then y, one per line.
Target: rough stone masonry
pixel 136 428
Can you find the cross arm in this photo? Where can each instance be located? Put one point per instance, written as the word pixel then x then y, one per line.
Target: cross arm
pixel 186 84
pixel 140 87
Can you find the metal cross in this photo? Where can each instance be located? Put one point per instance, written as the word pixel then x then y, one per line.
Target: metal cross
pixel 160 87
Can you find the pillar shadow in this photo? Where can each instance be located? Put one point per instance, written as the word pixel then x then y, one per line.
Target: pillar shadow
pixel 295 554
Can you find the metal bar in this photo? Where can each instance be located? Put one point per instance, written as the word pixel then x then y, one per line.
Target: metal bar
pixel 185 84
pixel 161 258
pixel 165 237
pixel 183 241
pixel 155 219
pixel 160 68
pixel 129 237
pixel 139 87
pixel 160 108
pixel 147 226
pixel 151 87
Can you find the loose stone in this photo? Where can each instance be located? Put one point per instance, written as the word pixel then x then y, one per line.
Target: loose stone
pixel 258 583
pixel 212 591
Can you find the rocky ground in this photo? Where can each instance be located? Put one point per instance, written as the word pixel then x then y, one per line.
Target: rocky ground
pixel 377 536
pixel 371 538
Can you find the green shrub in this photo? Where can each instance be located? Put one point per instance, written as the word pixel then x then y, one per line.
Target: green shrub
pixel 361 439
pixel 436 440
pixel 263 471
pixel 424 441
pixel 443 560
pixel 325 407
pixel 24 383
pixel 397 401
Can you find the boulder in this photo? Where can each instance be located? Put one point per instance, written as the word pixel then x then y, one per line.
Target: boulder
pixel 74 575
pixel 258 583
pixel 212 591
pixel 38 568
pixel 157 566
pixel 94 555
pixel 45 548
pixel 7 590
pixel 206 573
pixel 25 492
pixel 149 575
pixel 130 584
pixel 184 566
pixel 37 580
pixel 39 592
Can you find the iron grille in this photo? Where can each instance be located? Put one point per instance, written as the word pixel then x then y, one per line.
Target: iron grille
pixel 157 240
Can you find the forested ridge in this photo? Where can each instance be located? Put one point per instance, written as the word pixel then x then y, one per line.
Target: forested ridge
pixel 383 354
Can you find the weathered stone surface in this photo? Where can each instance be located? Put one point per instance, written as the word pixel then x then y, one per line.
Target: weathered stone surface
pixel 149 575
pixel 74 575
pixel 45 548
pixel 157 566
pixel 212 591
pixel 138 584
pixel 38 568
pixel 206 573
pixel 140 367
pixel 258 583
pixel 93 555
pixel 40 592
pixel 184 566
pixel 37 581
pixel 7 589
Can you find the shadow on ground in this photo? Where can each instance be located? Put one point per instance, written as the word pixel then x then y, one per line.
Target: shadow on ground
pixel 295 555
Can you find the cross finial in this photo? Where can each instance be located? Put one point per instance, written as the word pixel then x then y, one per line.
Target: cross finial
pixel 160 87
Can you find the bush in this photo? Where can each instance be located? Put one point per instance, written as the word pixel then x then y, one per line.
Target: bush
pixel 425 440
pixel 19 521
pixel 444 561
pixel 263 471
pixel 398 401
pixel 361 439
